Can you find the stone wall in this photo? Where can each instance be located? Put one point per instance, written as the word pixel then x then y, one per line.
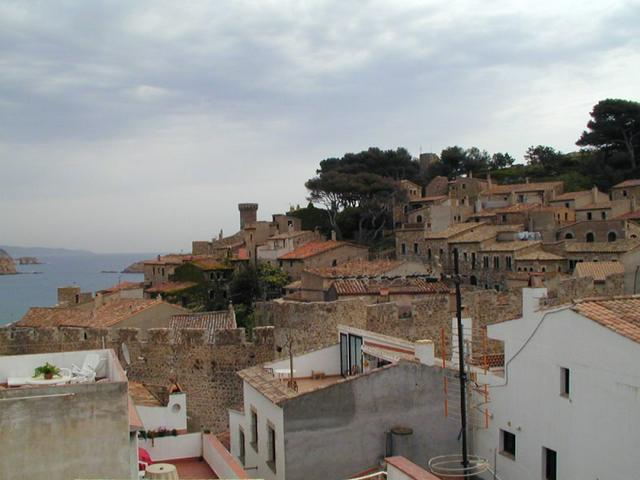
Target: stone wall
pixel 566 290
pixel 205 371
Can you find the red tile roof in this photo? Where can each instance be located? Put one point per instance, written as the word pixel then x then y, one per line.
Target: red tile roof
pixel 394 286
pixel 121 287
pixel 628 183
pixel 522 187
pixel 357 267
pixel 314 248
pixel 635 215
pixel 599 271
pixel 107 315
pixel 517 207
pixel 211 263
pixel 620 314
pixel 171 287
pixel 210 321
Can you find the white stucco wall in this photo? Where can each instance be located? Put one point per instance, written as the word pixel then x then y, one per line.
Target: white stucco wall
pixel 174 415
pixel 257 456
pixel 325 360
pixel 595 430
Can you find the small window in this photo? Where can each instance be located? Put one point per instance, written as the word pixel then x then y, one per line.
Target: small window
pixel 549 463
pixel 441 253
pixel 624 193
pixel 603 215
pixel 465 256
pixel 566 204
pixel 504 218
pixel 485 261
pixel 403 248
pixel 566 216
pixel 429 253
pixel 464 186
pixel 415 248
pixel 589 216
pixel 508 444
pixel 473 259
pixel 271 440
pixel 496 263
pixel 565 382
pixel 568 236
pixel 419 219
pixel 241 450
pixel 612 237
pixel 254 429
pixel 509 263
pixel 590 237
pixel 334 263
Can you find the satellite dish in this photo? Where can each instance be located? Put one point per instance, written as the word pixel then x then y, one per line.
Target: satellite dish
pixel 125 354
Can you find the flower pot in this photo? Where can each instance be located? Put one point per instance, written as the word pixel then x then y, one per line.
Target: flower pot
pixel 48 376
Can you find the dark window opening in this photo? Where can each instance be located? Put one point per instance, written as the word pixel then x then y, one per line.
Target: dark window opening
pixel 565 382
pixel 590 237
pixel 254 429
pixel 241 448
pixel 271 441
pixel 550 460
pixel 508 443
pixel 612 237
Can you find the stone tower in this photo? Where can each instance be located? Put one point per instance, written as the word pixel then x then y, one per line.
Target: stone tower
pixel 248 214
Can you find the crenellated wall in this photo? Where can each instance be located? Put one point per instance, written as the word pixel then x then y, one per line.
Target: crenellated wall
pixel 205 371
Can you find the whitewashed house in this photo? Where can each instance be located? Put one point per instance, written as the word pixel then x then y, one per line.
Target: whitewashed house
pixel 568 406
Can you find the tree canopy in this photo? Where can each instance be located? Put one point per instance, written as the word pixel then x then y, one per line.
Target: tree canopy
pixel 614 126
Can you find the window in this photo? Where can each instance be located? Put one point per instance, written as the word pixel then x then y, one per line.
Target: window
pixel 350 354
pixel 464 186
pixel 334 263
pixel 589 216
pixel 271 447
pixel 590 237
pixel 496 263
pixel 603 215
pixel 568 236
pixel 473 259
pixel 504 219
pixel 566 204
pixel 403 248
pixel 508 444
pixel 624 193
pixel 549 463
pixel 509 262
pixel 429 253
pixel 565 382
pixel 566 216
pixel 611 237
pixel 419 219
pixel 254 428
pixel 485 262
pixel 241 450
pixel 521 198
pixel 441 253
pixel 415 248
pixel 465 256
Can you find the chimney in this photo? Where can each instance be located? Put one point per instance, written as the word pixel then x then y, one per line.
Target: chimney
pixel 333 235
pixel 594 194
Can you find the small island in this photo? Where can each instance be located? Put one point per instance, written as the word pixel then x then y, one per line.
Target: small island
pixel 137 267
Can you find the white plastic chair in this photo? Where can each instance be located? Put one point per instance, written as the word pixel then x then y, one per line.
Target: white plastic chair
pixel 86 373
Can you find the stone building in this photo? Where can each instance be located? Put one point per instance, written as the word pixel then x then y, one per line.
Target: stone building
pixel 603 210
pixel 72 295
pixel 576 252
pixel 539 192
pixel 467 189
pixel 328 253
pixel 598 231
pixel 600 272
pixel 541 261
pixel 626 190
pixel 283 243
pixel 581 198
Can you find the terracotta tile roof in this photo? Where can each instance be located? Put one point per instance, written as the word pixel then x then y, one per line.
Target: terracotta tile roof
pixel 211 263
pixel 394 286
pixel 107 315
pixel 522 187
pixel 481 234
pixel 538 255
pixel 142 396
pixel 314 248
pixel 484 213
pixel 453 230
pixel 509 246
pixel 517 207
pixel 357 267
pixel 171 287
pixel 171 259
pixel 599 271
pixel 234 240
pixel 628 183
pixel 635 215
pixel 121 287
pixel 570 195
pixel 430 198
pixel 620 314
pixel 209 321
pixel 596 206
pixel 619 246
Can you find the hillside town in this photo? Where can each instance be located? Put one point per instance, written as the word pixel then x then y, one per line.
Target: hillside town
pixel 338 343
pixel 319 240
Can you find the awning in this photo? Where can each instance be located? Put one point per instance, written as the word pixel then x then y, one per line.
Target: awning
pixel 386 354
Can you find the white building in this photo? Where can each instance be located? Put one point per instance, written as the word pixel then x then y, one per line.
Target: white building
pixel 352 404
pixel 568 406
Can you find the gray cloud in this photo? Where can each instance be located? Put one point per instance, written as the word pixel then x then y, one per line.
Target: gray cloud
pixel 133 113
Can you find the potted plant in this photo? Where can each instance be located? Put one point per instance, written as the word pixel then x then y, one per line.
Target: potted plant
pixel 47 371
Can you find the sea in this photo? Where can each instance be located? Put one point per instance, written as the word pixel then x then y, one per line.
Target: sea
pixel 36 285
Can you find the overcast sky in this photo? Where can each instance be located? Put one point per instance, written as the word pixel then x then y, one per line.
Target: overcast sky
pixel 139 126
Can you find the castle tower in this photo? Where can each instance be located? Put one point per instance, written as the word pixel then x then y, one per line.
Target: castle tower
pixel 248 214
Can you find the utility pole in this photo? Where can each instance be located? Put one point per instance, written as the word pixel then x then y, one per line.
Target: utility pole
pixel 462 371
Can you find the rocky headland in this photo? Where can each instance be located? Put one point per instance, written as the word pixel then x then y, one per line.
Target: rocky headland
pixel 7 264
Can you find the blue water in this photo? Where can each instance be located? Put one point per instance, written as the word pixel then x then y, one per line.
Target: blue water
pixel 19 292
